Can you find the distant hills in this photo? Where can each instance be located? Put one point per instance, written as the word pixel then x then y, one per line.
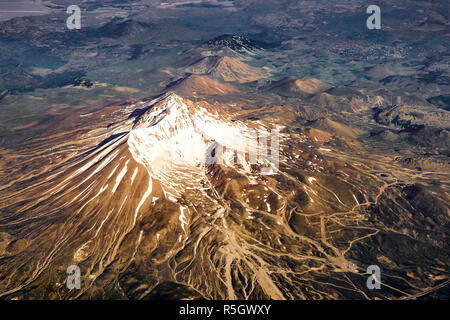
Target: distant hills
pixel 293 87
pixel 195 85
pixel 226 69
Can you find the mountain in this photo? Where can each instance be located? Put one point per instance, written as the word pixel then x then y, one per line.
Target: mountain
pixel 175 135
pixel 336 128
pixel 292 87
pixel 193 85
pixel 226 69
pixel 156 159
pixel 170 200
pixel 378 72
pixel 169 154
pixel 237 43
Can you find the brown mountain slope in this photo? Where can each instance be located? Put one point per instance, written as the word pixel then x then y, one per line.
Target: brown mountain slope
pixel 226 69
pixel 337 129
pixel 194 85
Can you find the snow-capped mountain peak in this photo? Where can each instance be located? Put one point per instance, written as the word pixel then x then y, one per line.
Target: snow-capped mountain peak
pixel 175 139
